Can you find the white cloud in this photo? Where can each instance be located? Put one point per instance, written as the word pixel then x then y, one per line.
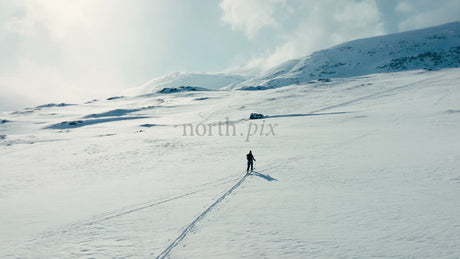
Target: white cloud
pixel 404 7
pixel 69 49
pixel 11 96
pixel 57 17
pixel 428 13
pixel 250 15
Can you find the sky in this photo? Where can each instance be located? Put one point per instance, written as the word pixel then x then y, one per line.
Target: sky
pixel 78 50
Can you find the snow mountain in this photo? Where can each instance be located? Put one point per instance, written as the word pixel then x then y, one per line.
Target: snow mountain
pixel 430 48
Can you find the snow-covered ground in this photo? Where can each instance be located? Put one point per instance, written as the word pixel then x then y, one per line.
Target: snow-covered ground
pixel 356 167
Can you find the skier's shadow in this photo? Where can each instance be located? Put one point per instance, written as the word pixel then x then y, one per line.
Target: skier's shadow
pixel 266 177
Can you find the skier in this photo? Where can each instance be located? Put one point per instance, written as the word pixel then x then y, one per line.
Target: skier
pixel 250 158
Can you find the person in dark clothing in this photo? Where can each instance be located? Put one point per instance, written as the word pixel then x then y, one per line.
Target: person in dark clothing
pixel 250 158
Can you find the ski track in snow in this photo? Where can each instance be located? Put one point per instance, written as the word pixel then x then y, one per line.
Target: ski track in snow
pixel 123 211
pixel 155 203
pixel 192 225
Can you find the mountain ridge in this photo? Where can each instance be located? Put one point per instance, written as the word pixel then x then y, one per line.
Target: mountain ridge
pixel 428 48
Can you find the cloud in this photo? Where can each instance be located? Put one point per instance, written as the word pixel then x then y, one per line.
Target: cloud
pixel 11 97
pixel 404 7
pixel 70 50
pixel 250 15
pixel 59 48
pixel 318 25
pixel 423 13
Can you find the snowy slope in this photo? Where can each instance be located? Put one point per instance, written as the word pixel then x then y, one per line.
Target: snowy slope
pixel 357 167
pixel 431 48
pixel 362 165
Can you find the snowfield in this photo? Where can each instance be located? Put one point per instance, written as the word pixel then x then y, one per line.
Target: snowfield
pixel 355 167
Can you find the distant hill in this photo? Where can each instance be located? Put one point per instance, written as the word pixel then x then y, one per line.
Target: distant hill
pixel 430 48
